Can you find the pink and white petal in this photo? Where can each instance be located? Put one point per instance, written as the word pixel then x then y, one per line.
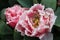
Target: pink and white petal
pixel 29 13
pixel 28 33
pixel 47 36
pixel 12 23
pixel 49 11
pixel 36 7
pixel 41 12
pixel 19 28
pixel 28 27
pixel 42 28
pixel 28 21
pixel 31 34
pixel 52 21
pixel 38 34
pixel 16 7
pixel 41 36
pixel 34 32
pixel 25 22
pixel 25 25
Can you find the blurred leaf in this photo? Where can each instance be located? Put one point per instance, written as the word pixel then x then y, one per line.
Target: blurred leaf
pixel 2 15
pixel 3 4
pixel 57 23
pixel 49 3
pixel 12 2
pixel 56 33
pixel 39 1
pixel 4 28
pixel 6 37
pixel 35 1
pixel 26 3
pixel 17 36
pixel 30 38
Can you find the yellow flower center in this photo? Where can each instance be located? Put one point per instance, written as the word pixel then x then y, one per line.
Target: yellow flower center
pixel 36 20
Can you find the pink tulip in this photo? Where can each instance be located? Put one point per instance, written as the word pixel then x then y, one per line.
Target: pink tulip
pixel 36 21
pixel 13 14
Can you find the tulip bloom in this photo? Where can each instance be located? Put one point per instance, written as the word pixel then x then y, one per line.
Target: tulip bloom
pixel 36 21
pixel 13 14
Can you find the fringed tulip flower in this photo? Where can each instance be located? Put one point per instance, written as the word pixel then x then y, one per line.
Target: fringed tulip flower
pixel 36 21
pixel 13 13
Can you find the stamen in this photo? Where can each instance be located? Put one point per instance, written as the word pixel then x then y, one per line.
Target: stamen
pixel 36 20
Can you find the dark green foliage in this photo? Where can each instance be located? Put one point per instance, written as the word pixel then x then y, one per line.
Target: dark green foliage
pixel 30 38
pixel 3 4
pixel 12 2
pixel 49 3
pixel 26 3
pixel 17 36
pixel 2 16
pixel 57 12
pixel 5 31
pixel 4 28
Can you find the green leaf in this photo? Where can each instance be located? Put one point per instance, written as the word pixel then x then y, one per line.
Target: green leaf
pixel 39 1
pixel 6 37
pixel 4 28
pixel 17 36
pixel 35 1
pixel 57 23
pixel 3 4
pixel 56 33
pixel 26 3
pixel 49 3
pixel 30 38
pixel 2 15
pixel 12 2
